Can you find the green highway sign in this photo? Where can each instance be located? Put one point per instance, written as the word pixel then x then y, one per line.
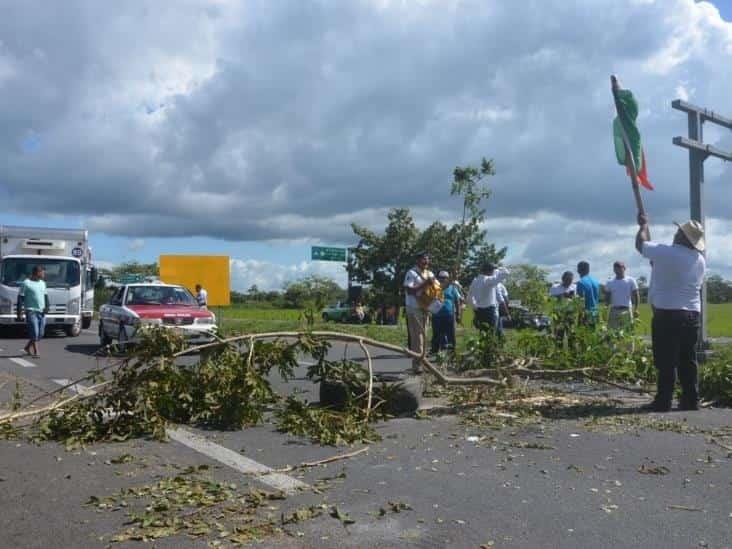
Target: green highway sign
pixel 130 278
pixel 324 253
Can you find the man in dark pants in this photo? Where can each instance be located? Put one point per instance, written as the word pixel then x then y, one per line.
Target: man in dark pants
pixel 678 273
pixel 482 296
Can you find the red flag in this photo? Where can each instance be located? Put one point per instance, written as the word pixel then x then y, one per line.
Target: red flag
pixel 643 173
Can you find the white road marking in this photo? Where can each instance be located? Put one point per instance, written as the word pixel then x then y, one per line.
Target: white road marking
pixel 75 388
pixel 264 474
pixel 236 461
pixel 92 332
pixel 22 362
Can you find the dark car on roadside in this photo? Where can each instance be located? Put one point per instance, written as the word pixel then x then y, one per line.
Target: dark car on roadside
pixel 523 317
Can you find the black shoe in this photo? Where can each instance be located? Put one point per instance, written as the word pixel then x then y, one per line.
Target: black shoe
pixel 656 406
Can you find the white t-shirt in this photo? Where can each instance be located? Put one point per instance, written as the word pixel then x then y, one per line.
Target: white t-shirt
pixel 202 298
pixel 557 290
pixel 621 290
pixel 482 292
pixel 412 279
pixel 677 276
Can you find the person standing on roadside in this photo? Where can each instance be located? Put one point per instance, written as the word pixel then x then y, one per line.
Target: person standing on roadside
pixel 482 296
pixel 677 276
pixel 33 299
pixel 443 321
pixel 415 282
pixel 623 297
pixel 566 289
pixel 201 296
pixel 564 292
pixel 588 288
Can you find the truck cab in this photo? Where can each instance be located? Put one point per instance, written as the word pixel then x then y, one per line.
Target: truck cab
pixel 66 258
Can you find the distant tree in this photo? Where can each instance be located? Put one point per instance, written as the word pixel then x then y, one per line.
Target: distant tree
pixel 481 256
pixel 238 297
pixel 312 291
pixel 383 260
pixel 133 267
pixel 255 294
pixel 719 290
pixel 467 183
pixel 529 284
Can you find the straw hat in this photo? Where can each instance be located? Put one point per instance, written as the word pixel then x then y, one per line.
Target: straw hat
pixel 694 232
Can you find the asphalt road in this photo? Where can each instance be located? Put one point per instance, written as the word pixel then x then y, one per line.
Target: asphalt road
pixel 574 483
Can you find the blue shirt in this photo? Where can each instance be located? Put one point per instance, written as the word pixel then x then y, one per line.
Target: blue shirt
pixel 451 297
pixel 34 294
pixel 589 288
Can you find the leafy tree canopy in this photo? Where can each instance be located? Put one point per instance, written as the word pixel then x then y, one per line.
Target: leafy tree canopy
pixel 382 259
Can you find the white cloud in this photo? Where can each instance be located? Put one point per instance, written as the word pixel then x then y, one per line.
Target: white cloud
pixel 136 244
pixel 271 276
pixel 289 120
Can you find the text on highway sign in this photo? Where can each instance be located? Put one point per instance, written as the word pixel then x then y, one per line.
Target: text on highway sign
pixel 324 253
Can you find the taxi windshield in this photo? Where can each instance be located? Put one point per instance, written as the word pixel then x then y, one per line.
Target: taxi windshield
pixel 159 295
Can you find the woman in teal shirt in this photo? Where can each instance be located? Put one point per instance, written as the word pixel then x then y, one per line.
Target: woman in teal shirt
pixel 443 321
pixel 34 299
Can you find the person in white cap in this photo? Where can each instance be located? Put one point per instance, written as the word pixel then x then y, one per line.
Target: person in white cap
pixel 677 274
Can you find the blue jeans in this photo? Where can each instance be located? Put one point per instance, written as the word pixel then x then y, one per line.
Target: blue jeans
pixel 443 333
pixel 36 323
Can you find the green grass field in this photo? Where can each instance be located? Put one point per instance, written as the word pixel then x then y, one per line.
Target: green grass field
pixel 250 320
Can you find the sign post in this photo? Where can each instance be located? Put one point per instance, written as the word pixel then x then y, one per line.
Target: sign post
pixel 698 153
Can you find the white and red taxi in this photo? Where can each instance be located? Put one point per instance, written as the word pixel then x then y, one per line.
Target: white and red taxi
pixel 154 304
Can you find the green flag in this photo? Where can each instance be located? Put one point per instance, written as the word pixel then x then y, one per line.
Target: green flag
pixel 627 108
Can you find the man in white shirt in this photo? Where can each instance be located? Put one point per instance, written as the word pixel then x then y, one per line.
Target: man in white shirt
pixel 415 281
pixel 201 296
pixel 678 273
pixel 482 296
pixel 621 294
pixel 566 288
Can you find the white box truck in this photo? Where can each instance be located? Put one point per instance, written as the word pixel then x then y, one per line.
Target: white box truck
pixel 70 276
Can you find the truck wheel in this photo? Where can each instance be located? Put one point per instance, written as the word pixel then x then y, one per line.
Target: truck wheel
pixel 74 330
pixel 86 322
pixel 104 339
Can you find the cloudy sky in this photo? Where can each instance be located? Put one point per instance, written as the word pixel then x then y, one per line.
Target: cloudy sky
pixel 258 128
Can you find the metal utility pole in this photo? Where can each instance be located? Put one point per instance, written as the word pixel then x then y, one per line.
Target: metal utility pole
pixel 698 153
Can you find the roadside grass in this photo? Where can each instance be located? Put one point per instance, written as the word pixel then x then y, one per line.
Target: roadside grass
pixel 236 319
pixel 719 320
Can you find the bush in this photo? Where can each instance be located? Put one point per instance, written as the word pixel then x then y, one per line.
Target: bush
pixel 715 378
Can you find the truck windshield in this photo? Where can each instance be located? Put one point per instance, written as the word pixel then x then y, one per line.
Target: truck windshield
pixel 60 273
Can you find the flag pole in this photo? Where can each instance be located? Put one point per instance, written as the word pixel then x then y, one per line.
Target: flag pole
pixel 629 159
